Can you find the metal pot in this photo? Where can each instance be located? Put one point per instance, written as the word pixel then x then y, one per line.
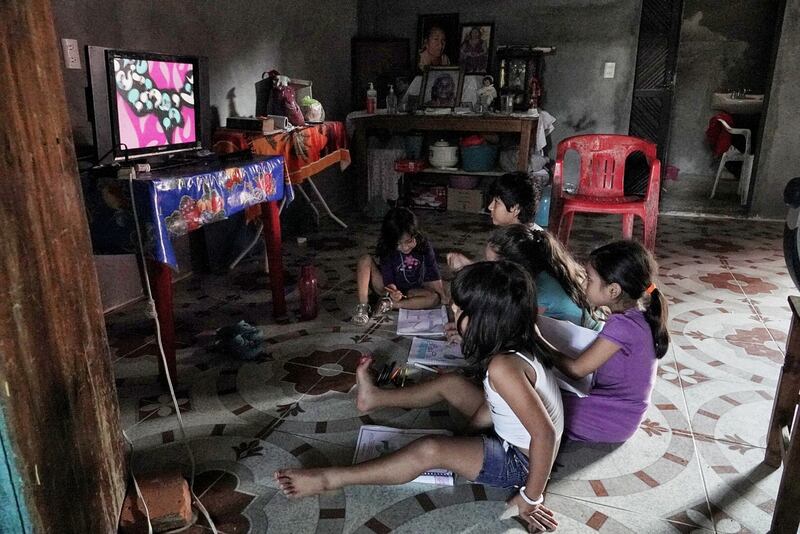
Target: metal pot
pixel 441 154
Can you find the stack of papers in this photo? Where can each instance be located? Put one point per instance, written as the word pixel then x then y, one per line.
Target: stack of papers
pixel 428 323
pixel 375 441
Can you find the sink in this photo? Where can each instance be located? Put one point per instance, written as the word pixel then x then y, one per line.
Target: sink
pixel 745 105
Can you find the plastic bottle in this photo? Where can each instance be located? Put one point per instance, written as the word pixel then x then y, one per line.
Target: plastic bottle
pixel 391 101
pixel 309 293
pixel 372 99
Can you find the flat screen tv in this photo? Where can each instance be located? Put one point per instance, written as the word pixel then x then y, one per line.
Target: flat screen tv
pixel 145 104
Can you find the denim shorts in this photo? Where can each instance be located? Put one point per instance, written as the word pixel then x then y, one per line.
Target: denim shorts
pixel 502 468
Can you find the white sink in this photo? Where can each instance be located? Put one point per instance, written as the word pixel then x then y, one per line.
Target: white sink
pixel 748 104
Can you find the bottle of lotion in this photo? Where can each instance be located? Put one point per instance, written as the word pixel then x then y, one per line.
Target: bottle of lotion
pixel 372 99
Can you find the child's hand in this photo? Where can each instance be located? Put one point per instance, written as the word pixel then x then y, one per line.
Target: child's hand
pixel 395 294
pixel 452 334
pixel 456 260
pixel 538 516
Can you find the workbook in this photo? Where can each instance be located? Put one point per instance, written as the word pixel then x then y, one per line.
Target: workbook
pixel 375 441
pixel 428 323
pixel 436 352
pixel 571 340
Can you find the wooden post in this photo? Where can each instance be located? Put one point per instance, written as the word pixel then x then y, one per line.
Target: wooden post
pixel 56 388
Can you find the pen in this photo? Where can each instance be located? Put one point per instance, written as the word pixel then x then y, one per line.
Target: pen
pixel 405 374
pixel 425 367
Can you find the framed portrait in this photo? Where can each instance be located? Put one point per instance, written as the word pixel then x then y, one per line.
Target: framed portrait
pixel 441 87
pixel 437 40
pixel 475 47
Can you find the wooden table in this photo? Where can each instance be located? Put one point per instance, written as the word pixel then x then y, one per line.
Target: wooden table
pixel 396 124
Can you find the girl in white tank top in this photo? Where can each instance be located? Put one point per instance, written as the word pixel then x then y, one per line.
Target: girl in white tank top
pixel 519 405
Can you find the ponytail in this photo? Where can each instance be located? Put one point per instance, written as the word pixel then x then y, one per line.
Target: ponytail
pixel 630 265
pixel 656 315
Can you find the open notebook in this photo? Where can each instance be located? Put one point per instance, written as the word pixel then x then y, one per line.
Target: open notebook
pixel 375 441
pixel 571 340
pixel 436 352
pixel 429 323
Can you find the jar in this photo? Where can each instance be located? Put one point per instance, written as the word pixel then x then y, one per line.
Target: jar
pixel 441 154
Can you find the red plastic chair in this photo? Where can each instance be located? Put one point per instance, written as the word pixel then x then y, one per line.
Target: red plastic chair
pixel 601 187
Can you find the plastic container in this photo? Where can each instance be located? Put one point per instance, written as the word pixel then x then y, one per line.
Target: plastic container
pixel 543 211
pixel 308 288
pixel 372 99
pixel 478 158
pixel 391 101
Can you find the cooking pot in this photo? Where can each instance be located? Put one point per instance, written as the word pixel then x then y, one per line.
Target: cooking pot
pixel 442 154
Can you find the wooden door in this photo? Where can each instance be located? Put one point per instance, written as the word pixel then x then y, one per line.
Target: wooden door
pixel 654 79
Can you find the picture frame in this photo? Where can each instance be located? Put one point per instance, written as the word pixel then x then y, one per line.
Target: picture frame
pixel 441 87
pixel 476 40
pixel 437 41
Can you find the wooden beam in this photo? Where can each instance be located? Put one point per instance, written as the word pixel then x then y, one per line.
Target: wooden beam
pixel 56 387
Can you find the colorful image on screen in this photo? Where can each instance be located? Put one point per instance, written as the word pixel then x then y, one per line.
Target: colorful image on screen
pixel 155 102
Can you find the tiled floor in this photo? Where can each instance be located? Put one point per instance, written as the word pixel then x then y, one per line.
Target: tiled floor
pixel 694 466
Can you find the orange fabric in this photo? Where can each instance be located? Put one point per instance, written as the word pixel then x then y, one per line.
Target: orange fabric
pixel 306 151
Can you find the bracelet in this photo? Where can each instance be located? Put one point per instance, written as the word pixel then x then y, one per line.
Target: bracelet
pixel 532 502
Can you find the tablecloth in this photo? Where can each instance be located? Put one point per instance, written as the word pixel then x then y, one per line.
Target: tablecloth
pixel 173 202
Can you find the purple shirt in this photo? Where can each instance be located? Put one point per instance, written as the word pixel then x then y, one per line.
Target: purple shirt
pixel 409 271
pixel 621 391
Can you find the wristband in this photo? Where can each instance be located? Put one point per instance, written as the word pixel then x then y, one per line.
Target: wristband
pixel 532 502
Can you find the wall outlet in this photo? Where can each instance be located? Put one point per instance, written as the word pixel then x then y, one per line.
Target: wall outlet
pixel 608 69
pixel 72 56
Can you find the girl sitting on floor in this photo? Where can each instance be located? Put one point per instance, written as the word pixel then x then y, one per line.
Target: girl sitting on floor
pixel 559 278
pixel 519 404
pixel 403 267
pixel 621 277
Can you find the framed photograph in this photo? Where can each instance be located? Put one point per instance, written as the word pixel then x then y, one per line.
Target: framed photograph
pixel 441 87
pixel 437 40
pixel 475 48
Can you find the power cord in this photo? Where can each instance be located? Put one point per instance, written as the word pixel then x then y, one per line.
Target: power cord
pixel 151 312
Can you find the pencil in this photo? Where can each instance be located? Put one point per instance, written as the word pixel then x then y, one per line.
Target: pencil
pixel 425 367
pixel 395 373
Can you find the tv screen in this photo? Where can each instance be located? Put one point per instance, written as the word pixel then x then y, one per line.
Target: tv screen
pixel 145 103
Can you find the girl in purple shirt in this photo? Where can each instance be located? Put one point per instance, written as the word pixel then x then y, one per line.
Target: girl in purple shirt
pixel 404 268
pixel 620 277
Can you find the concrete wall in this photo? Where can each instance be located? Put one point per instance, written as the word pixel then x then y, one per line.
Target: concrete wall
pixel 587 33
pixel 723 46
pixel 779 159
pixel 303 38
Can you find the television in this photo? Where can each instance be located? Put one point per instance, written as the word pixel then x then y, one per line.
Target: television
pixel 145 104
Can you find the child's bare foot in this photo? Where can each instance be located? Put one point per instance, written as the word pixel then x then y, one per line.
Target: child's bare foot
pixel 296 483
pixel 365 400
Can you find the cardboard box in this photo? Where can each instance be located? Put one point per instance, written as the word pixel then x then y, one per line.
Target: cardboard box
pixel 469 200
pixel 429 197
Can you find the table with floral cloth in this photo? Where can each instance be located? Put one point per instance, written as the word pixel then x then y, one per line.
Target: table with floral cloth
pixel 175 201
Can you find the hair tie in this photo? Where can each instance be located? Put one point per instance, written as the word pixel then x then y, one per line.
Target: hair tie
pixel 650 289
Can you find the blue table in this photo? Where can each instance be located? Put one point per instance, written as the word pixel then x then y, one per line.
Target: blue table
pixel 175 201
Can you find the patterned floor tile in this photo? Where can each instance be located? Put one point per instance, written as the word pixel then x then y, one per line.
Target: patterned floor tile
pixel 693 465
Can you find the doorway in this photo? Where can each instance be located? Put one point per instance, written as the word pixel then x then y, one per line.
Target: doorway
pixel 724 48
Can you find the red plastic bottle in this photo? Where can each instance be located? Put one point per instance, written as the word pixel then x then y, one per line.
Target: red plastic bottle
pixel 309 293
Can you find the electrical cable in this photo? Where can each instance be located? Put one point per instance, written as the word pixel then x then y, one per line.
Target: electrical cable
pixel 151 305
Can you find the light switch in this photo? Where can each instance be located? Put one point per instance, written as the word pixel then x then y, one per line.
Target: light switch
pixel 72 56
pixel 608 69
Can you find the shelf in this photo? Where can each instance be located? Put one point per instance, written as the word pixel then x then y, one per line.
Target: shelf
pixel 434 170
